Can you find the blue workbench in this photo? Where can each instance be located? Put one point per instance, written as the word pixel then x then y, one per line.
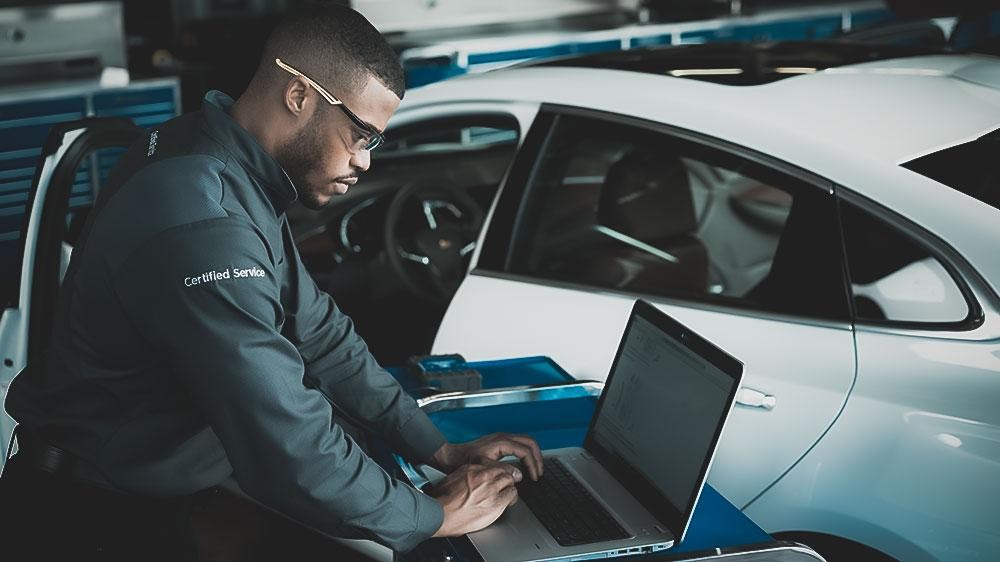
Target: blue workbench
pixel 536 397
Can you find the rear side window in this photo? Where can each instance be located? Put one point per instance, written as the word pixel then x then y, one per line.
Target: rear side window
pixel 894 278
pixel 972 168
pixel 617 206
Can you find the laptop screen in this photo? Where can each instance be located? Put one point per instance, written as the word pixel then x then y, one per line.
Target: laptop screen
pixel 661 413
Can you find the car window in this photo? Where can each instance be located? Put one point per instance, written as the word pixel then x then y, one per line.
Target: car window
pixel 448 136
pixel 467 152
pixel 893 278
pixel 624 208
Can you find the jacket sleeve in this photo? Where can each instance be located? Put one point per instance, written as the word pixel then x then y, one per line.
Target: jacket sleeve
pixel 206 297
pixel 338 363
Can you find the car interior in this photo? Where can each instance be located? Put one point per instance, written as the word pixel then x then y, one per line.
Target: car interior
pixel 393 250
pixel 643 215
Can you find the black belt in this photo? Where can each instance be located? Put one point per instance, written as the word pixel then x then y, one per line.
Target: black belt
pixel 43 455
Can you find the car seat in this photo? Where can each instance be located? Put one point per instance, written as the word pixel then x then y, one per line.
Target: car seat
pixel 646 212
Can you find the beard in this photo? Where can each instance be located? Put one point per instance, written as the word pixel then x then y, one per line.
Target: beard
pixel 298 157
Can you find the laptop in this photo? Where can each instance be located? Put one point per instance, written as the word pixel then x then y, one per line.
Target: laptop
pixel 644 460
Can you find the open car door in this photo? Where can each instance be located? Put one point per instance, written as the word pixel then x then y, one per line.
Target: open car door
pixel 61 196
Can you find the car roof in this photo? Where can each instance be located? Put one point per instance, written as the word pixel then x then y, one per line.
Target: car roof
pixel 854 125
pixel 938 101
pixel 739 63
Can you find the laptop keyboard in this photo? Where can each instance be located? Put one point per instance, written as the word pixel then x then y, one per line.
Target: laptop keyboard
pixel 567 509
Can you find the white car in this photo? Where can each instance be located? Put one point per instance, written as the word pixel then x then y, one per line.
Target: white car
pixel 836 230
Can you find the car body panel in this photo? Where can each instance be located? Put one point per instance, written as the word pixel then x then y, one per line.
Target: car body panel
pixel 14 338
pixel 806 367
pixel 916 454
pixel 912 464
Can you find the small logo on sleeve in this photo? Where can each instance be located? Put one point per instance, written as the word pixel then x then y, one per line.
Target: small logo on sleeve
pixel 214 276
pixel 151 150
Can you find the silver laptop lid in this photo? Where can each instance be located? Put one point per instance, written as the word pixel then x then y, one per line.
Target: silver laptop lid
pixel 662 412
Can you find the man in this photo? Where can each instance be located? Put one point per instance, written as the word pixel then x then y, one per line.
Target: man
pixel 192 348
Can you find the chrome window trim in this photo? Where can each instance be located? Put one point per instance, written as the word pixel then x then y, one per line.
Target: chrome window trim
pixel 509 395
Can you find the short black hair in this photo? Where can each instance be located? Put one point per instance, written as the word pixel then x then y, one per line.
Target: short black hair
pixel 335 46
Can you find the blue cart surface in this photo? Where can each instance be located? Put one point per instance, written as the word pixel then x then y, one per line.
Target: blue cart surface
pixel 536 397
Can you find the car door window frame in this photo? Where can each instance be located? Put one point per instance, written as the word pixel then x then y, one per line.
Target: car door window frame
pixel 499 245
pixel 463 120
pixel 957 267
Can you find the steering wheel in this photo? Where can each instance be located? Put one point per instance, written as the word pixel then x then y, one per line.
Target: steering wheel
pixel 441 225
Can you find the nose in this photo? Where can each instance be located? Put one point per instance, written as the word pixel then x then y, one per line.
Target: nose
pixel 361 160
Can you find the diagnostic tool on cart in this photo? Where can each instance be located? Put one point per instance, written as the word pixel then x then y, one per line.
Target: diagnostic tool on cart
pixel 445 373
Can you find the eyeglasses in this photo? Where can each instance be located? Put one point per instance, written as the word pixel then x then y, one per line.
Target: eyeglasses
pixel 372 138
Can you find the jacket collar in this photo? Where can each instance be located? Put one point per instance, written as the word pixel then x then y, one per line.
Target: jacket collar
pixel 251 155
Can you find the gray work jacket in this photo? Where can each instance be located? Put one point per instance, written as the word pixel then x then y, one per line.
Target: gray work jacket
pixel 191 346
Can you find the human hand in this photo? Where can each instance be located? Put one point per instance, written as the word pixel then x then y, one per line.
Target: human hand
pixel 475 495
pixel 491 448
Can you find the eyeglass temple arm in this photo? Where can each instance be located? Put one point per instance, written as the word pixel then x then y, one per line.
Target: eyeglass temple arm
pixel 322 91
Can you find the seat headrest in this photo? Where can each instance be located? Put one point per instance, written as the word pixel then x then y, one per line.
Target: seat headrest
pixel 647 195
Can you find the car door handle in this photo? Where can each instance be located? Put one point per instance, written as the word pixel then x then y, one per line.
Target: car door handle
pixel 749 397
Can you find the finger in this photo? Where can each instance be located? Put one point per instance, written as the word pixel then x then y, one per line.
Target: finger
pixel 536 454
pixel 508 446
pixel 523 452
pixel 508 496
pixel 526 441
pixel 499 445
pixel 493 447
pixel 505 471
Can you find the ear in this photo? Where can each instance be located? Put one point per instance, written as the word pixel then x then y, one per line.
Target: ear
pixel 295 96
